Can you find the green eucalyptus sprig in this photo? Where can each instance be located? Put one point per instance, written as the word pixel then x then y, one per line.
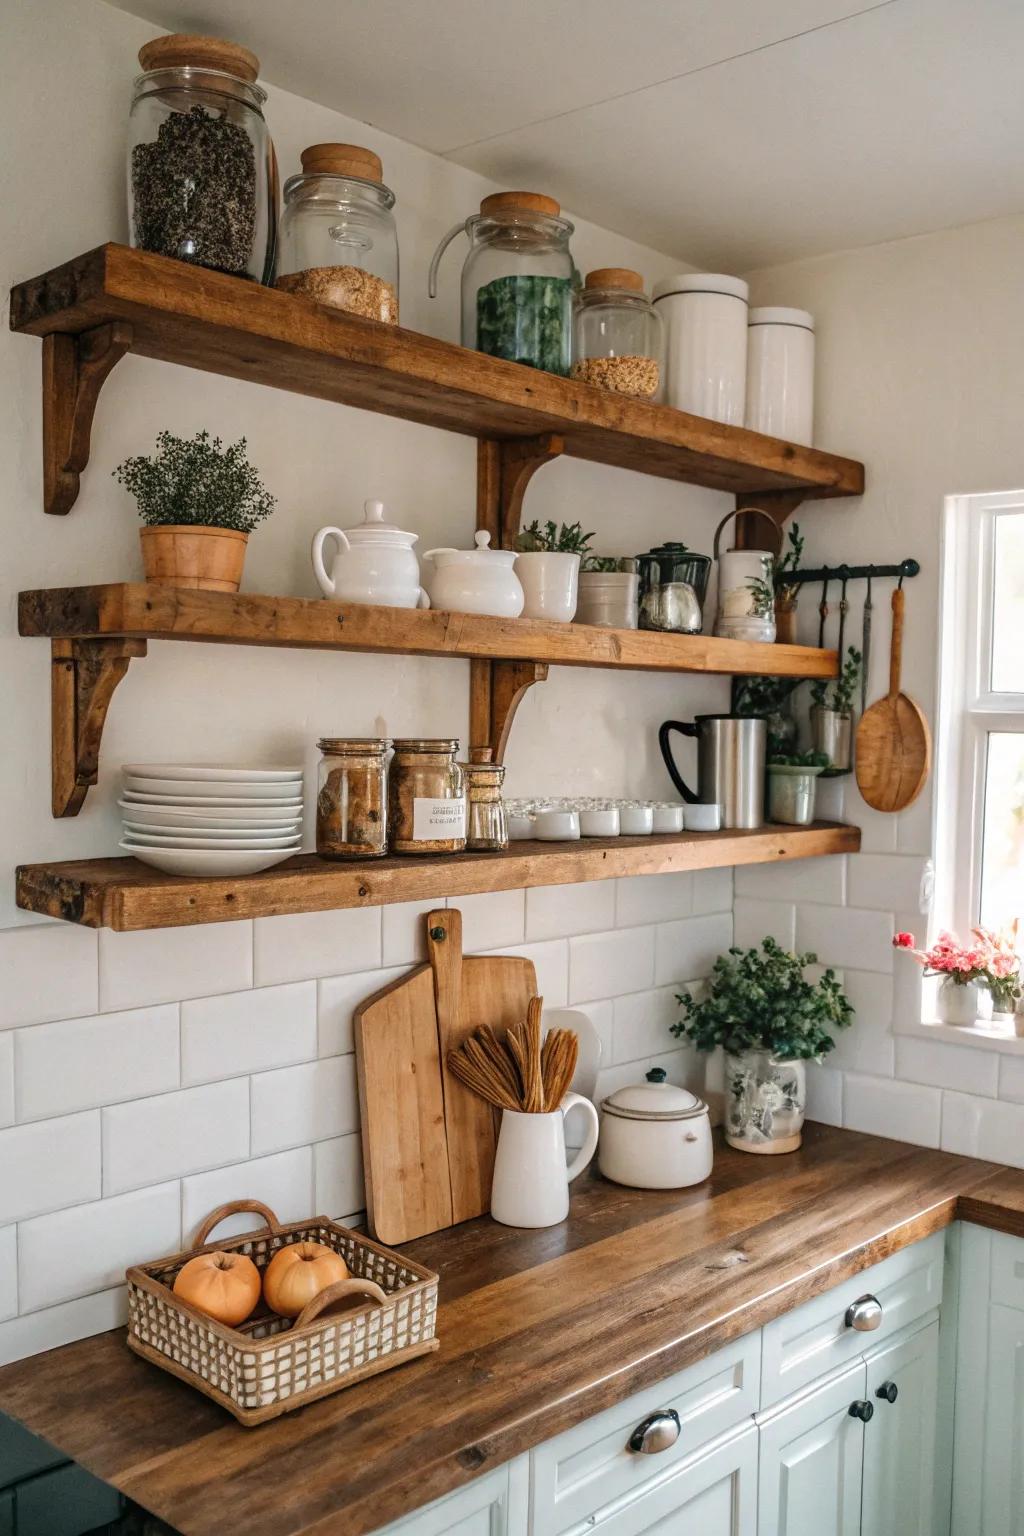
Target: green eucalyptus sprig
pixel 838 695
pixel 762 590
pixel 790 560
pixel 196 482
pixel 569 539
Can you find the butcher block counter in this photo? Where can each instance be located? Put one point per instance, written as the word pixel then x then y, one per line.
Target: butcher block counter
pixel 539 1331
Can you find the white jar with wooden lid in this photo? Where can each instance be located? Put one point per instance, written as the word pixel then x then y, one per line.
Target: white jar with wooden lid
pixel 339 243
pixel 705 315
pixel 780 373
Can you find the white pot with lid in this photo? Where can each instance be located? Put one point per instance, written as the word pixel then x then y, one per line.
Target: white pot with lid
pixel 780 373
pixel 478 580
pixel 705 316
pixel 655 1135
pixel 374 563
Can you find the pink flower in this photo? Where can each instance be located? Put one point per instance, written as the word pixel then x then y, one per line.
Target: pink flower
pixel 903 941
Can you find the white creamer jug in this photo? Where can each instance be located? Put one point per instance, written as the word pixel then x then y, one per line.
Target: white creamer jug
pixel 374 563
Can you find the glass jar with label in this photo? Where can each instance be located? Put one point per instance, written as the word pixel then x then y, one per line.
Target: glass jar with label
pixel 486 822
pixel 426 797
pixel 351 801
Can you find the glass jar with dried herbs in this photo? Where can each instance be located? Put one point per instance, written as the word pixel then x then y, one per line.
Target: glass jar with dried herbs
pixel 351 802
pixel 339 244
pixel 426 797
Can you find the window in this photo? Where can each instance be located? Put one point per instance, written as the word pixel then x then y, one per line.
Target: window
pixel 980 838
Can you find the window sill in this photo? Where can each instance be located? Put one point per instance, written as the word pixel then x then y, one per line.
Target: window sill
pixel 981 1036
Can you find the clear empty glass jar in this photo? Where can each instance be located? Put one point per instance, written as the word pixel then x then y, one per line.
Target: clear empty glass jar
pixel 339 244
pixel 617 340
pixel 351 801
pixel 486 822
pixel 201 171
pixel 426 797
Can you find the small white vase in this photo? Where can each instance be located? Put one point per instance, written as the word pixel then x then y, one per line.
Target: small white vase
pixel 550 584
pixel 958 1002
pixel 531 1180
pixel 765 1100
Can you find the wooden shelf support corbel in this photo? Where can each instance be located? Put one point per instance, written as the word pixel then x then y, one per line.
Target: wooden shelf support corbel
pixel 492 714
pixel 84 674
pixel 74 370
pixel 751 532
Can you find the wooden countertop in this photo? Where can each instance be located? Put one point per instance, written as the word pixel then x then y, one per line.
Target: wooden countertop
pixel 538 1331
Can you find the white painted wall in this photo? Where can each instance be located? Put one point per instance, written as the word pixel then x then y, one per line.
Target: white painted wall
pixel 145 1078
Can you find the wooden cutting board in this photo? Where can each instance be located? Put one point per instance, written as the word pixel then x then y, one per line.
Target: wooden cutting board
pixel 428 1143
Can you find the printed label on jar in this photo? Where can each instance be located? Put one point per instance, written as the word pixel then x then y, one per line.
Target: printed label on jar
pixel 437 820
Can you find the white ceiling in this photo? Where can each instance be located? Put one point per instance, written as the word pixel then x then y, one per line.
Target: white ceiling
pixel 731 133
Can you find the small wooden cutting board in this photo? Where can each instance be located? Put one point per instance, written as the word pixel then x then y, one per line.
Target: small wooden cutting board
pixel 428 1143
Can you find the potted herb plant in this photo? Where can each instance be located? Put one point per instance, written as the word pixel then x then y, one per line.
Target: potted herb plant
pixel 786 595
pixel 769 1019
pixel 198 502
pixel 792 781
pixel 548 565
pixel 832 713
pixel 608 591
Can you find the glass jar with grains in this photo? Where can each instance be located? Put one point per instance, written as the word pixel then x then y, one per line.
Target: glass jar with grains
pixel 426 797
pixel 201 170
pixel 486 822
pixel 351 801
pixel 339 244
pixel 617 335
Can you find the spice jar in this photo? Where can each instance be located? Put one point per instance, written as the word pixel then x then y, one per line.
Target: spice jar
pixel 486 822
pixel 617 334
pixel 201 170
pixel 351 801
pixel 517 281
pixel 426 798
pixel 339 245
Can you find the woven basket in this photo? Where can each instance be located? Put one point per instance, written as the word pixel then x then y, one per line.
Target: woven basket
pixel 269 1364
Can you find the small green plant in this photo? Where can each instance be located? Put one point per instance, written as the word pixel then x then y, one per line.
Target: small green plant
pixel 603 563
pixel 196 482
pixel 762 590
pixel 790 559
pixel 569 539
pixel 838 695
pixel 760 1000
pixel 800 760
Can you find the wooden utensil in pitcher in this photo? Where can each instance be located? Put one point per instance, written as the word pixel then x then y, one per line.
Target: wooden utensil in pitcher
pixel 894 744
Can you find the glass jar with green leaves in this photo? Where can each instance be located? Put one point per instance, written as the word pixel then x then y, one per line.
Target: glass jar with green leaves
pixel 770 1018
pixel 831 714
pixel 548 566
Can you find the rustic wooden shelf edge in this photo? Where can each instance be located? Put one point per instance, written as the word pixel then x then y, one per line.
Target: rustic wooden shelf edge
pixel 126 896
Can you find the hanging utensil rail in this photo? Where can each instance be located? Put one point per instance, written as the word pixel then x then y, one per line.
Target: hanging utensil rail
pixel 825 573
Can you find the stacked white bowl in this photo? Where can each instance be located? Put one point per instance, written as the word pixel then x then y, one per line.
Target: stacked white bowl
pixel 195 820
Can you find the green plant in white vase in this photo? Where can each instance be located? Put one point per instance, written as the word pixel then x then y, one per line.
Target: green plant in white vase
pixel 548 566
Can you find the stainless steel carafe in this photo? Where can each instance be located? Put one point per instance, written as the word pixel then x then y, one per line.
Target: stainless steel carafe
pixel 730 765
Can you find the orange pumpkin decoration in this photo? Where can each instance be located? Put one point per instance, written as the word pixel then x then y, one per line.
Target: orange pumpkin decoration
pixel 225 1286
pixel 299 1272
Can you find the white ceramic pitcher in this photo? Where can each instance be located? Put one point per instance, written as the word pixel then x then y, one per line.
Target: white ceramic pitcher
pixel 531 1180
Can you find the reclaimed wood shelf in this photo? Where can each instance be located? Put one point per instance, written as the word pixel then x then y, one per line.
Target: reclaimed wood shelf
pixel 125 895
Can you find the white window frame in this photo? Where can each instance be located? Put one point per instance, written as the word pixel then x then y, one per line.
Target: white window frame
pixel 968 709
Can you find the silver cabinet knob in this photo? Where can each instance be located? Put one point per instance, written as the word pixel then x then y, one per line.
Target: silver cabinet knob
pixel 865 1314
pixel 656 1433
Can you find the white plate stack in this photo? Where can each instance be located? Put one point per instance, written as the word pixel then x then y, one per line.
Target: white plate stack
pixel 189 820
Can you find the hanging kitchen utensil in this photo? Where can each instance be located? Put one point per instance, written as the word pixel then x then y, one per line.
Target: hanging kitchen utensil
pixel 844 608
pixel 746 593
pixel 866 648
pixel 894 745
pixel 823 613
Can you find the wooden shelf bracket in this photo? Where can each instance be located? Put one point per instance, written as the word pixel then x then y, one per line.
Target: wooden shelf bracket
pixel 75 368
pixel 84 674
pixel 779 505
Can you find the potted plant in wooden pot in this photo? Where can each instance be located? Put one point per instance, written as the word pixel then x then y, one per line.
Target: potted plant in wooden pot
pixel 770 1018
pixel 832 714
pixel 548 566
pixel 198 502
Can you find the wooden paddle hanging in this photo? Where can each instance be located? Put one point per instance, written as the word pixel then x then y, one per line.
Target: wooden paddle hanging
pixel 894 744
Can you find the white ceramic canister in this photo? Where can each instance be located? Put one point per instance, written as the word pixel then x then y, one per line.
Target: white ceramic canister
pixel 550 581
pixel 478 580
pixel 655 1136
pixel 374 563
pixel 746 591
pixel 531 1179
pixel 780 374
pixel 705 317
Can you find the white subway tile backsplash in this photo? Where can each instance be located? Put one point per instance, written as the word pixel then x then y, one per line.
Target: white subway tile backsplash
pixel 8 1272
pixel 163 965
pixel 690 947
pixel 492 920
pixel 868 1045
pixel 559 911
pixel 824 1094
pixel 49 972
pixel 338 1174
pixel 1011 1078
pixel 151 1140
pixel 404 931
pixel 284 1182
pixel 641 1024
pixel 308 944
pixel 653 899
pixel 754 920
pixel 551 964
pixel 900 1111
pixel 885 882
pixel 21 1337
pixel 6 1079
pixel 877 828
pixel 712 890
pixel 961 1123
pixel 48 1165
pixel 794 880
pixel 252 1031
pixel 846 936
pixel 946 1066
pixel 298 1105
pixel 337 999
pixel 102 1059
pixel 96 1242
pixel 609 964
pixel 1000 1136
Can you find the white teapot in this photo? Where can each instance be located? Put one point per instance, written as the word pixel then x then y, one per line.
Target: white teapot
pixel 374 563
pixel 480 580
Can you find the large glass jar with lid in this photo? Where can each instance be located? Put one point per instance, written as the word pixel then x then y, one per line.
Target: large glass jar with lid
pixel 339 244
pixel 426 797
pixel 617 341
pixel 517 281
pixel 351 800
pixel 201 172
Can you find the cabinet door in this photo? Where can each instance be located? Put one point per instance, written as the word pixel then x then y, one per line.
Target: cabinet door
pixel 1003 1485
pixel 811 1460
pixel 495 1504
pixel 899 1442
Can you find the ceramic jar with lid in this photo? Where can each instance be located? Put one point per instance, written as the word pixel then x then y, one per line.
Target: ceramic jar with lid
pixel 655 1135
pixel 426 797
pixel 517 280
pixel 339 244
pixel 351 801
pixel 780 373
pixel 705 317
pixel 478 580
pixel 746 585
pixel 673 582
pixel 374 563
pixel 617 334
pixel 201 170
pixel 608 592
pixel 486 822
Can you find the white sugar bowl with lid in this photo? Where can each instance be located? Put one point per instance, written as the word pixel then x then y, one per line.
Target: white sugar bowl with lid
pixel 655 1135
pixel 478 580
pixel 374 563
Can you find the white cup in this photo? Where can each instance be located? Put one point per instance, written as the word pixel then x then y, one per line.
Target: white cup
pixel 668 818
pixel 703 818
pixel 520 828
pixel 557 826
pixel 636 820
pixel 600 822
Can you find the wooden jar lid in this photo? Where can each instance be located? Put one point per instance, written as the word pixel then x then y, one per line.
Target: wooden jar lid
pixel 521 202
pixel 342 160
pixel 615 277
pixel 187 50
